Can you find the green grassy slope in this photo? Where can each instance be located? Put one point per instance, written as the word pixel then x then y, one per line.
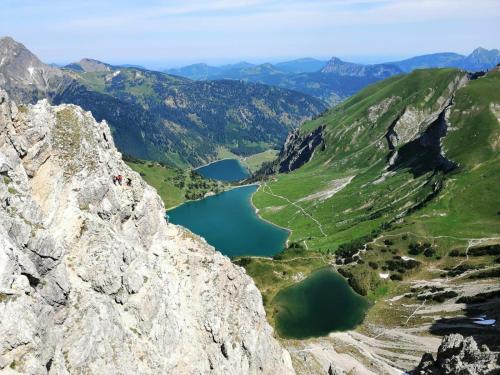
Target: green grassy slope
pixel 469 205
pixel 416 208
pixel 355 147
pixel 175 185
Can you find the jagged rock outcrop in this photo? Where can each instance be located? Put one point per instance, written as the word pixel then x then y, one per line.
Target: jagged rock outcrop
pixel 459 356
pixel 419 132
pixel 413 122
pixel 333 370
pixel 480 59
pixel 92 278
pixel 298 149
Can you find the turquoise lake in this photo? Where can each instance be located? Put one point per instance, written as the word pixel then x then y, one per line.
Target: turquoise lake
pixel 322 303
pixel 229 222
pixel 228 170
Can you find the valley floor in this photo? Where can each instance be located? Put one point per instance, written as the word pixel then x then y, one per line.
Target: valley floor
pixel 401 326
pixel 390 347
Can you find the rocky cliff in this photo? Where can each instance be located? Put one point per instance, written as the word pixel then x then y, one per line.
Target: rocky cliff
pixel 298 150
pixel 459 355
pixel 92 279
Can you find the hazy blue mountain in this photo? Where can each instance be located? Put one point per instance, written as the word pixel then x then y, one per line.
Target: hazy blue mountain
pixel 343 68
pixel 479 59
pixel 89 65
pixel 195 71
pixel 204 71
pixel 336 81
pixel 238 65
pixel 254 73
pixel 331 81
pixel 435 60
pixel 305 65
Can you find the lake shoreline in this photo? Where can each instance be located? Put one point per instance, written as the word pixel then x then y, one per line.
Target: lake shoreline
pixel 229 188
pixel 268 221
pixel 235 185
pixel 231 224
pixel 313 322
pixel 240 160
pixel 256 210
pixel 212 162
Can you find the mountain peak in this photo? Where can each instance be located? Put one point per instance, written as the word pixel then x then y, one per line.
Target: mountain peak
pixel 481 59
pixel 337 65
pixel 344 68
pixel 22 73
pixel 9 41
pixel 267 66
pixel 90 66
pixel 336 60
pixel 484 51
pixel 479 50
pixel 11 47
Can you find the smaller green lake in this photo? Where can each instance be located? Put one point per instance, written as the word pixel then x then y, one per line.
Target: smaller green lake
pixel 228 170
pixel 229 222
pixel 322 303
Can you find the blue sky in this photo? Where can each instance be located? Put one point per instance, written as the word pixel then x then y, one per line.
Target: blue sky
pixel 171 33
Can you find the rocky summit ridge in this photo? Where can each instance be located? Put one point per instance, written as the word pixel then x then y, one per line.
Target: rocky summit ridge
pixel 92 278
pixel 459 355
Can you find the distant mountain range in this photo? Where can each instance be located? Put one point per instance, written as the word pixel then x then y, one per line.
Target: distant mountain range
pixel 204 71
pixel 190 116
pixel 335 80
pixel 480 59
pixel 331 81
pixel 158 116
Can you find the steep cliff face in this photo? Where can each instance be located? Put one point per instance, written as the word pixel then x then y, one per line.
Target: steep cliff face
pixel 414 127
pixel 92 279
pixel 298 149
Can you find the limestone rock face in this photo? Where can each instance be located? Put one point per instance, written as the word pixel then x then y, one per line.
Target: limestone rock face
pixel 459 355
pixel 414 121
pixel 92 279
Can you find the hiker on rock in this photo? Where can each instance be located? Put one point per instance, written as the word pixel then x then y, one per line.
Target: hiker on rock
pixel 117 179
